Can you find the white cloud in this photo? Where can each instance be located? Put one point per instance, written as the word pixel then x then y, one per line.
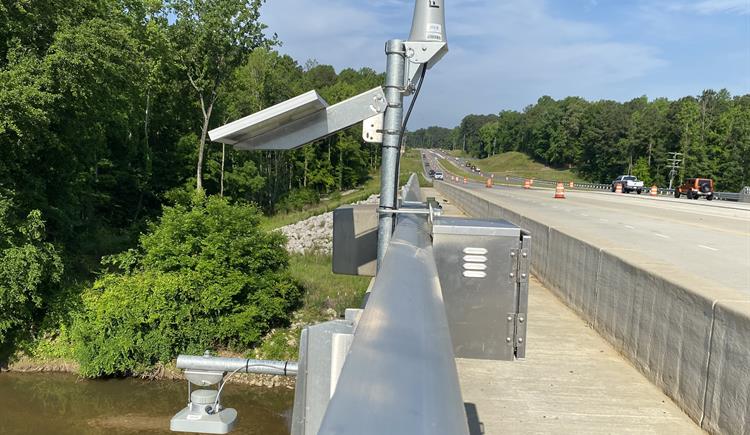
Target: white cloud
pixel 707 7
pixel 503 53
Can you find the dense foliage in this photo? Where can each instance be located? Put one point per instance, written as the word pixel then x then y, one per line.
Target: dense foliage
pixel 30 270
pixel 104 108
pixel 604 139
pixel 204 277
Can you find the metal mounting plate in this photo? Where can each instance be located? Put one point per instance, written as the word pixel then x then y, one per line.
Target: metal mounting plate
pixel 372 129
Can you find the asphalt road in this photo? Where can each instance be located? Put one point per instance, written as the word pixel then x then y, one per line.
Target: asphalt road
pixel 708 239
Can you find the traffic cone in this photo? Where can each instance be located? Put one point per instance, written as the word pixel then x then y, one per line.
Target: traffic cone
pixel 489 183
pixel 654 190
pixel 560 191
pixel 466 181
pixel 526 184
pixel 618 188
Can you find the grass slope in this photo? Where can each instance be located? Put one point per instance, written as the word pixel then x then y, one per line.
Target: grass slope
pixel 326 297
pixel 518 164
pixel 521 165
pixel 278 220
pixel 411 161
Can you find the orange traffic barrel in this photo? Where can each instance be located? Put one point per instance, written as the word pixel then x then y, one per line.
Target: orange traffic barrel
pixel 465 180
pixel 618 188
pixel 489 182
pixel 654 190
pixel 526 184
pixel 560 191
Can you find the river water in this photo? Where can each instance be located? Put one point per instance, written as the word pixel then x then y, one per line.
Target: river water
pixel 63 404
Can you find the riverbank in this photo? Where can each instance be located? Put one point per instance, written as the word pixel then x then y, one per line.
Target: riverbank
pixel 30 364
pixel 326 296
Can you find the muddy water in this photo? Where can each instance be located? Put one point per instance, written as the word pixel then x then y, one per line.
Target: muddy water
pixel 63 404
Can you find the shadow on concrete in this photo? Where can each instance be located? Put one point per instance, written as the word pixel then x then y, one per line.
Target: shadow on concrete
pixel 476 427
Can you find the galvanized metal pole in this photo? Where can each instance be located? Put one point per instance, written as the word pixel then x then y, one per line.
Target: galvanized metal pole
pixel 400 374
pixel 394 86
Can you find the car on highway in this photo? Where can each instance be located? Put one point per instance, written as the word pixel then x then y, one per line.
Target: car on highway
pixel 629 184
pixel 438 176
pixel 694 188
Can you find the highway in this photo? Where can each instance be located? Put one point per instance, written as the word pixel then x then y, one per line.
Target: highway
pixel 706 239
pixel 571 381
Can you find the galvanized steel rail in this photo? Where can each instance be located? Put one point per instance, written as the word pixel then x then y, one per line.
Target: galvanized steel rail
pixel 725 196
pixel 242 365
pixel 400 374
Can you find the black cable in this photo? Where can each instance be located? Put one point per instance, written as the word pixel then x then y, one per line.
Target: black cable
pixel 403 125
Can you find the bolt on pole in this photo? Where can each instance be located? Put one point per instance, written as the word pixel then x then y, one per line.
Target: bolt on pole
pixel 394 87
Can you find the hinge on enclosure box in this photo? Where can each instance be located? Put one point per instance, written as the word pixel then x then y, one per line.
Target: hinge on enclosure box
pixel 520 264
pixel 516 332
pixel 514 335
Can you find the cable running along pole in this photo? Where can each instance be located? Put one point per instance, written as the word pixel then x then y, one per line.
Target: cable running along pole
pixel 394 88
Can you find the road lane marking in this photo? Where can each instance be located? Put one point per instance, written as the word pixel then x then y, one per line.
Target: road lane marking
pixel 707 247
pixel 661 235
pixel 629 227
pixel 604 220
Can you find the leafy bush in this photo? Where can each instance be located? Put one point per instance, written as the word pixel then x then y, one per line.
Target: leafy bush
pixel 297 200
pixel 205 276
pixel 30 271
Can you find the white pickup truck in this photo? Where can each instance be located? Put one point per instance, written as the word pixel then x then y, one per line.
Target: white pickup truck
pixel 629 183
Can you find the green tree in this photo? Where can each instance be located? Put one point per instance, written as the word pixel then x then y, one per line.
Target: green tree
pixel 642 171
pixel 30 274
pixel 204 277
pixel 214 37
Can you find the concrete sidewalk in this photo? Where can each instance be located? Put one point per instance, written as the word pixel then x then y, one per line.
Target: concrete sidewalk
pixel 571 382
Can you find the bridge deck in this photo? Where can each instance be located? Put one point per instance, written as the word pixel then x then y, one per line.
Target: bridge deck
pixel 572 381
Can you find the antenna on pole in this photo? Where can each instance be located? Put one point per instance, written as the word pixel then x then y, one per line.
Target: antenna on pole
pixel 427 44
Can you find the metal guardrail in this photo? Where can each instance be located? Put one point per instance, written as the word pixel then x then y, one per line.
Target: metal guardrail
pixel 724 196
pixel 400 375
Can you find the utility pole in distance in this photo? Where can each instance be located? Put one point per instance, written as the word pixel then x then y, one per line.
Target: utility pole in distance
pixel 675 163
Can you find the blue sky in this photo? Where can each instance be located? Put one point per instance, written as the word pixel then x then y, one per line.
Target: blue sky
pixel 505 54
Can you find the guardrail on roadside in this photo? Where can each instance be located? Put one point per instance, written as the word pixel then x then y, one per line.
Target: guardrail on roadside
pixel 687 335
pixel 396 376
pixel 508 179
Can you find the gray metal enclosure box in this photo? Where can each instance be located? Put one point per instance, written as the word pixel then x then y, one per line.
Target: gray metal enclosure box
pixel 355 239
pixel 484 271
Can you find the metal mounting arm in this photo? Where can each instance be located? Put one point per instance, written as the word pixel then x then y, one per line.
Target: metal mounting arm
pixel 298 121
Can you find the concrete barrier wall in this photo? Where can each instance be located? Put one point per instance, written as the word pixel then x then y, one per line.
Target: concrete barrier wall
pixel 687 336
